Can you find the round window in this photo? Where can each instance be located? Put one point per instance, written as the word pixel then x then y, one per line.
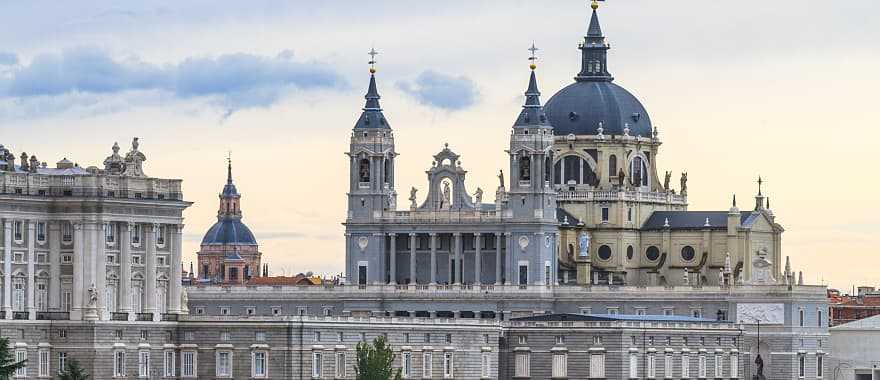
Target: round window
pixel 604 252
pixel 653 253
pixel 629 253
pixel 687 253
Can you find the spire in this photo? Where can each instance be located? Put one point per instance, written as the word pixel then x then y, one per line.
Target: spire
pixel 734 200
pixel 594 51
pixel 229 169
pixel 372 116
pixel 759 199
pixel 533 112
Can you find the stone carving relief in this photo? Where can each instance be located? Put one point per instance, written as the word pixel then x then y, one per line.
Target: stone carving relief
pixel 762 268
pixel 764 313
pixel 523 242
pixel 363 241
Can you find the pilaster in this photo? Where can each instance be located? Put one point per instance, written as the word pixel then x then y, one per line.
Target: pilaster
pixel 150 269
pixel 79 286
pixel 54 237
pixel 7 268
pixel 125 269
pixel 31 273
pixel 174 287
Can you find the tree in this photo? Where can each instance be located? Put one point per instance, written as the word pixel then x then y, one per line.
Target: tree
pixel 376 361
pixel 72 371
pixel 8 365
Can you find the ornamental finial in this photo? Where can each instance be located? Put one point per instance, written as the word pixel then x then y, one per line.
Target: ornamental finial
pixel 373 53
pixel 534 57
pixel 594 5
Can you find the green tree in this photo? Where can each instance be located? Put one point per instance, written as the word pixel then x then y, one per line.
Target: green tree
pixel 376 361
pixel 72 371
pixel 8 365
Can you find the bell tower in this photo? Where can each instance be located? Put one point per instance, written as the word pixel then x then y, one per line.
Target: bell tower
pixel 371 153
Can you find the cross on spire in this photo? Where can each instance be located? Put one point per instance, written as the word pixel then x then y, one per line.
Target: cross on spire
pixel 760 182
pixel 534 57
pixel 373 53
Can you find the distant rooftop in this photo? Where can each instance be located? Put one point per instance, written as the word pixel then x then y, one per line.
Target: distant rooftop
pixel 608 317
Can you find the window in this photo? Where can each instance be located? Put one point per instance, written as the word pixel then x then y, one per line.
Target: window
pixel 668 312
pixel 719 366
pixel 688 253
pixel 160 236
pixel 135 234
pixel 188 364
pixel 820 366
pixel 145 334
pixel 652 366
pixel 224 364
pixel 110 233
pixel 612 165
pixel 667 366
pixel 62 333
pixel 66 259
pixel 18 231
pixel 633 340
pixel 317 336
pixel 339 365
pixel 119 364
pixel 224 311
pixel 802 365
pixel 605 214
pixel 613 311
pixel 597 365
pixel 406 363
pixel 819 317
pixel 224 336
pixel 560 339
pixel 629 218
pixel 522 339
pixel 136 259
pixel 143 363
pixel 260 336
pixel 189 336
pixel 597 340
pixel 523 363
pixel 276 311
pixel 560 365
pixel 701 366
pixel 734 366
pixel 427 364
pixel 486 364
pixel 62 361
pixel 604 252
pixel 66 232
pixel 697 313
pixel 20 356
pixel 630 252
pixel 448 365
pixel 448 338
pixel 41 232
pixel 317 364
pixel 259 364
pixel 633 366
pixel 169 364
pixel 801 317
pixel 248 310
pixel 685 366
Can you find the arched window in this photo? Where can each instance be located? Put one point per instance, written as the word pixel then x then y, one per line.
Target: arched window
pixel 525 168
pixel 387 170
pixel 638 172
pixel 548 169
pixel 574 170
pixel 612 165
pixel 364 170
pixel 572 165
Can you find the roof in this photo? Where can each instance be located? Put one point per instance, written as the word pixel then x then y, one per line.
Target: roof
pixel 691 220
pixel 608 317
pixel 372 116
pixel 870 323
pixel 229 230
pixel 284 280
pixel 580 107
pixel 233 256
pixel 564 217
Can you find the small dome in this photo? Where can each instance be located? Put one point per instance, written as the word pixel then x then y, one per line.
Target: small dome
pixel 229 231
pixel 579 108
pixel 229 190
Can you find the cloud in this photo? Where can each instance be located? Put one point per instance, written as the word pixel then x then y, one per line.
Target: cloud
pixel 8 59
pixel 442 91
pixel 231 81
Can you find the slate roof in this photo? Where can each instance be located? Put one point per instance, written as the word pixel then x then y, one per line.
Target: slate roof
pixel 229 230
pixel 580 107
pixel 608 317
pixel 693 220
pixel 562 216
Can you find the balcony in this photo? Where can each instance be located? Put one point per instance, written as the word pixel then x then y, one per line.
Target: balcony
pixel 20 315
pixel 627 195
pixel 53 316
pixel 143 317
pixel 170 317
pixel 118 316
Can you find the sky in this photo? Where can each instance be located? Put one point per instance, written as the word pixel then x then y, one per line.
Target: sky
pixel 783 89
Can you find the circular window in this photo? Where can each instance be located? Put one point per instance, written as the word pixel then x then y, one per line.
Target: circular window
pixel 629 253
pixel 687 253
pixel 604 252
pixel 653 253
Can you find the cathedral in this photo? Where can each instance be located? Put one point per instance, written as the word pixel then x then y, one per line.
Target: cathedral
pixel 585 202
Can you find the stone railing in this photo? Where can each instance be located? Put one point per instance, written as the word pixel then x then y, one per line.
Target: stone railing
pixel 627 324
pixel 466 216
pixel 88 185
pixel 627 195
pixel 349 319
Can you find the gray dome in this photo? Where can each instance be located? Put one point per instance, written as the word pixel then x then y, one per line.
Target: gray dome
pixel 229 231
pixel 579 108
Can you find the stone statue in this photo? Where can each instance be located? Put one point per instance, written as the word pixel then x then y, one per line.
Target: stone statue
pixel 666 180
pixel 412 198
pixel 501 179
pixel 93 297
pixel 392 201
pixel 759 364
pixel 721 277
pixel 184 299
pixel 762 268
pixel 621 178
pixel 478 197
pixel 446 196
pixel 583 245
pixel 684 183
pixel 134 161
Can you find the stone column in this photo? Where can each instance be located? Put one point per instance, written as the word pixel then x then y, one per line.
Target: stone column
pixel 79 286
pixel 477 259
pixel 392 258
pixel 174 286
pixel 54 237
pixel 31 273
pixel 101 268
pixel 456 269
pixel 497 258
pixel 91 244
pixel 433 258
pixel 150 269
pixel 124 295
pixel 7 268
pixel 412 259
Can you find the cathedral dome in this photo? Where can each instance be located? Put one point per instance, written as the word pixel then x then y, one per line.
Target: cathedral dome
pixel 229 231
pixel 580 107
